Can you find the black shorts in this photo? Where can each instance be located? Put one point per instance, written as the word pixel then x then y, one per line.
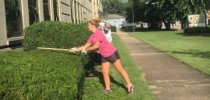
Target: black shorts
pixel 111 58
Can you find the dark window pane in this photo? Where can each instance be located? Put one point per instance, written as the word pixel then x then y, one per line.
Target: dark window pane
pixel 55 5
pixel 46 10
pixel 33 15
pixel 13 18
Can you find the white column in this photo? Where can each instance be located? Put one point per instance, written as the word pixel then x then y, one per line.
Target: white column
pixel 40 10
pixel 3 26
pixel 96 9
pixel 70 11
pixel 80 13
pixel 73 11
pixel 77 13
pixel 59 10
pixel 93 8
pixel 24 13
pixel 51 10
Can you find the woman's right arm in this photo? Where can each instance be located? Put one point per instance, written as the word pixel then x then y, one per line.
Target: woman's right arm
pixel 84 46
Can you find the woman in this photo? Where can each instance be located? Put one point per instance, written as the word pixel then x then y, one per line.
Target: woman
pixel 109 54
pixel 107 32
pixel 105 28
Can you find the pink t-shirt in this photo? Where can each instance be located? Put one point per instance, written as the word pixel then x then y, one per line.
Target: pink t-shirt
pixel 106 49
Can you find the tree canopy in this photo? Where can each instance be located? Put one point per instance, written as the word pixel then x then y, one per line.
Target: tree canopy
pixel 154 12
pixel 113 7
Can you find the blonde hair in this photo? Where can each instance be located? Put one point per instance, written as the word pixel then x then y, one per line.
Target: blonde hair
pixel 98 19
pixel 94 22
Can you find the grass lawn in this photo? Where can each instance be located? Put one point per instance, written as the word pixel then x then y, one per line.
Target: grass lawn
pixel 93 89
pixel 193 50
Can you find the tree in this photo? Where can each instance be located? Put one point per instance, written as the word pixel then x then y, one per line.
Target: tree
pixel 113 7
pixel 143 12
pixel 166 11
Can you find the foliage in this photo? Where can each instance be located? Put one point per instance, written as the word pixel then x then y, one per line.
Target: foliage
pixel 113 29
pixel 59 35
pixel 197 30
pixel 167 11
pixel 55 34
pixel 113 7
pixel 40 75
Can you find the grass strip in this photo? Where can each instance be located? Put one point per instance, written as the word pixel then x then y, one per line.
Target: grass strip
pixel 94 86
pixel 190 49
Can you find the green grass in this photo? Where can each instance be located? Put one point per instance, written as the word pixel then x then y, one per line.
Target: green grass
pixel 93 88
pixel 193 50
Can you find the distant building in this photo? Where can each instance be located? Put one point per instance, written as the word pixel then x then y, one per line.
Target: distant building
pixel 114 19
pixel 15 15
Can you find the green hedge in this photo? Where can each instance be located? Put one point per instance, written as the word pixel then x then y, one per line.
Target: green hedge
pixel 37 74
pixel 55 34
pixel 113 29
pixel 59 35
pixel 197 30
pixel 40 75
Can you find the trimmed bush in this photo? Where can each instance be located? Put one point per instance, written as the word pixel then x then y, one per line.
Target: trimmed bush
pixel 197 30
pixel 55 34
pixel 113 29
pixel 59 35
pixel 37 74
pixel 40 75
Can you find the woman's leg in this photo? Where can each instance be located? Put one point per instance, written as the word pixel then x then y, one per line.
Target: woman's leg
pixel 120 69
pixel 105 71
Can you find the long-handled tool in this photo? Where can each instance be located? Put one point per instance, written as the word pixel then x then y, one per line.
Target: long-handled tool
pixel 56 49
pixel 72 50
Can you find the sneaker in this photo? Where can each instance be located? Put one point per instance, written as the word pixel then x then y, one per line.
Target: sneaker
pixel 107 91
pixel 131 89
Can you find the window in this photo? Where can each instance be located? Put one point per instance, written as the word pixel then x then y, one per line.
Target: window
pixel 46 10
pixel 33 15
pixel 13 18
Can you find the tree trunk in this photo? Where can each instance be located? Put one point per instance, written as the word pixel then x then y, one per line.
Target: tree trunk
pixel 183 23
pixel 154 25
pixel 167 25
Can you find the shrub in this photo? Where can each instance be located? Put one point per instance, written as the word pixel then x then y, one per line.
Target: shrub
pixel 55 34
pixel 59 35
pixel 113 29
pixel 197 30
pixel 40 75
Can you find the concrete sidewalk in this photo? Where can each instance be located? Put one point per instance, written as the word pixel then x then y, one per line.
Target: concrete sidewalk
pixel 167 78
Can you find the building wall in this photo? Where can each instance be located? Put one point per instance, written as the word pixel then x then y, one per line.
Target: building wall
pixel 64 10
pixel 3 32
pixel 72 11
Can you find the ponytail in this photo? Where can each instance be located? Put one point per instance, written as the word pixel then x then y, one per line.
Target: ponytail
pixel 94 22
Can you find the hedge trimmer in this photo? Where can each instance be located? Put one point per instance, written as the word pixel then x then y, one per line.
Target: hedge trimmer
pixel 72 50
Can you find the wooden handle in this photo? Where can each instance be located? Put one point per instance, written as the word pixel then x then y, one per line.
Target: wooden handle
pixel 54 49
